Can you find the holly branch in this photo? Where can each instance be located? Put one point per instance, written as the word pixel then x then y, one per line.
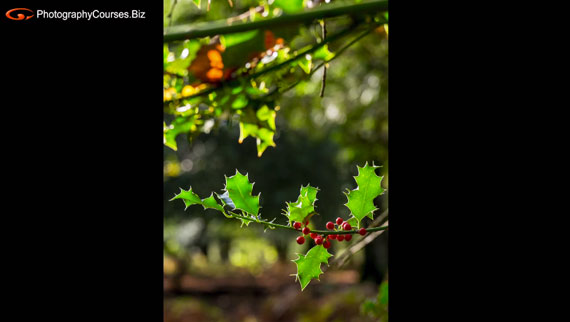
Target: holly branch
pixel 238 202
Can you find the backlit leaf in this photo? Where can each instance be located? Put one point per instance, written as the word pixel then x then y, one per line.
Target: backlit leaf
pixel 323 53
pixel 309 266
pixel 361 200
pixel 240 192
pixel 190 198
pixel 304 206
pixel 260 125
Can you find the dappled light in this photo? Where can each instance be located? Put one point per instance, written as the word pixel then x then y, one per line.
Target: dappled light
pixel 275 160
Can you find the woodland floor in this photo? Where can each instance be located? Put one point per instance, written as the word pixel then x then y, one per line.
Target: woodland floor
pixel 271 296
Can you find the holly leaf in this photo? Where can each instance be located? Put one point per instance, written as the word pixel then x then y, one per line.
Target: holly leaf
pixel 304 206
pixel 212 203
pixel 191 198
pixel 240 190
pixel 309 266
pixel 361 200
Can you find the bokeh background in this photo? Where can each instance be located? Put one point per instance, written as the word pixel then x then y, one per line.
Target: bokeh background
pixel 215 270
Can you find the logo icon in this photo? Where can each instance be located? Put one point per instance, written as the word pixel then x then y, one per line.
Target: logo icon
pixel 20 16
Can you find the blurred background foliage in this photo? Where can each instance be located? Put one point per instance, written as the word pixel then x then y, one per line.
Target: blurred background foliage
pixel 317 140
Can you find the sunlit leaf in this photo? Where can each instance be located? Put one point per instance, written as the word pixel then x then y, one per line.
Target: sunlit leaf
pixel 190 198
pixel 240 102
pixel 305 65
pixel 184 55
pixel 304 206
pixel 178 126
pixel 212 203
pixel 361 200
pixel 309 265
pixel 240 192
pixel 263 129
pixel 323 53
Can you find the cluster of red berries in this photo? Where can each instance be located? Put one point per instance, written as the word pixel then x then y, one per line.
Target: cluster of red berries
pixel 325 241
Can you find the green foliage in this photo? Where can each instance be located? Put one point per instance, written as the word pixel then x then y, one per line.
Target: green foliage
pixel 304 207
pixel 378 307
pixel 238 195
pixel 190 198
pixel 177 62
pixel 309 266
pixel 361 200
pixel 240 192
pixel 260 125
pixel 216 80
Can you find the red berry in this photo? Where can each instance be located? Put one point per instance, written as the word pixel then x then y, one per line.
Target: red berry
pixel 314 235
pixel 362 231
pixel 319 240
pixel 340 238
pixel 327 244
pixel 332 236
pixel 347 237
pixel 306 230
pixel 330 225
pixel 307 223
pixel 339 221
pixel 300 240
pixel 296 225
pixel 346 226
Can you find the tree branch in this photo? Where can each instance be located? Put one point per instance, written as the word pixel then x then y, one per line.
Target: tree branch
pixel 236 81
pixel 220 27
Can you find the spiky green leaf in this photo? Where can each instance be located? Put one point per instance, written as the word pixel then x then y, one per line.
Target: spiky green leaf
pixel 191 198
pixel 304 206
pixel 361 200
pixel 240 192
pixel 309 266
pixel 212 203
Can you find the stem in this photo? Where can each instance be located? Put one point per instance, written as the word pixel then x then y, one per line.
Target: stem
pixel 220 27
pixel 324 80
pixel 171 13
pixel 320 232
pixel 340 51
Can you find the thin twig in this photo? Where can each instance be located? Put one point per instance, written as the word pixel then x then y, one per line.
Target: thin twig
pixel 320 232
pixel 324 81
pixel 171 12
pixel 337 54
pixel 338 35
pixel 274 67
